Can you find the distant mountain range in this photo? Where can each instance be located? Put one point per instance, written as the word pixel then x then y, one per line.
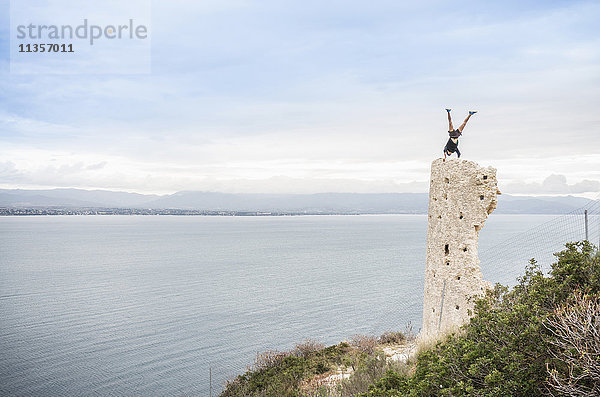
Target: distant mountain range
pixel 72 198
pixel 379 203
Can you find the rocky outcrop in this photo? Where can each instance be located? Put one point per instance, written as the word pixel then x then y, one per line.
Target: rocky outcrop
pixel 461 196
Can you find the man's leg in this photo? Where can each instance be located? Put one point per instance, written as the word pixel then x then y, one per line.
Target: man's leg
pixel 458 152
pixel 462 126
pixel 450 127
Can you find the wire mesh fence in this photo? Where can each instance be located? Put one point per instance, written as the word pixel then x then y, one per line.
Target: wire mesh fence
pixel 542 241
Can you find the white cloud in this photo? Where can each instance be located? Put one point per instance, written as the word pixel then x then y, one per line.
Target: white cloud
pixel 553 184
pixel 39 168
pixel 9 173
pixel 245 95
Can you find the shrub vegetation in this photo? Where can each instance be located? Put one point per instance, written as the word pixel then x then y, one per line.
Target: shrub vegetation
pixel 299 372
pixel 513 345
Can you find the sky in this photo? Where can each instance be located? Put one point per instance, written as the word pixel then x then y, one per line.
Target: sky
pixel 281 96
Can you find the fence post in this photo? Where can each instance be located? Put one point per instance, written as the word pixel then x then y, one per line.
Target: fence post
pixel 587 234
pixel 442 306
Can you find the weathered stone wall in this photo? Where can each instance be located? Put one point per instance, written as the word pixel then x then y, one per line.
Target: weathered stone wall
pixel 461 196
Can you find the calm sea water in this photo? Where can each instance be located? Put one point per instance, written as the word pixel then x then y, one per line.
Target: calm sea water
pixel 125 305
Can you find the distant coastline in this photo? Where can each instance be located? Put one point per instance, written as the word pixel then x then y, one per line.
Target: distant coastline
pixel 138 211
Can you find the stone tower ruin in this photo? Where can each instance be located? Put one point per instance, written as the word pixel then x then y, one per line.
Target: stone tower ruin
pixel 461 196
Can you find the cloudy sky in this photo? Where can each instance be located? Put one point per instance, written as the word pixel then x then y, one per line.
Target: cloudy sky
pixel 318 96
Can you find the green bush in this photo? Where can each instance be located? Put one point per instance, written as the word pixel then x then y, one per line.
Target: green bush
pixel 505 349
pixel 367 372
pixel 296 373
pixel 281 373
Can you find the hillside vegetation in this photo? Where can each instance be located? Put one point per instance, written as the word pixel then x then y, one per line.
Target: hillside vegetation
pixel 314 370
pixel 540 338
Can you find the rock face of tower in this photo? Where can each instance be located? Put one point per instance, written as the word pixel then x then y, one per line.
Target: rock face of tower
pixel 461 196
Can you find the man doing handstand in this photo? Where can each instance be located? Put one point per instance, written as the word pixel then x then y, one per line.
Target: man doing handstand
pixel 452 144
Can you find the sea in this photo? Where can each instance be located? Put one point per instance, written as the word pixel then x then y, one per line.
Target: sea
pixel 178 305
